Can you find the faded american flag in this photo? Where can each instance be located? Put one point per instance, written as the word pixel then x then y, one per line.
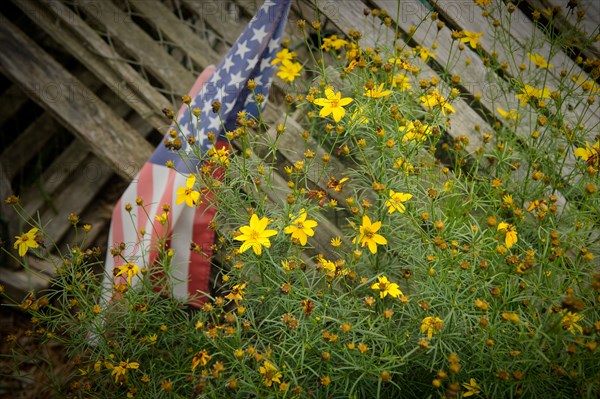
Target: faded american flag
pixel 249 58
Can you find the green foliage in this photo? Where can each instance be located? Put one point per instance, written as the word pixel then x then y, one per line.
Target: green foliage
pixel 491 285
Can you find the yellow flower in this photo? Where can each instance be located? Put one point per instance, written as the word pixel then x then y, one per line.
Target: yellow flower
pixel 219 155
pixel 336 184
pixel 333 104
pixel 586 85
pixel 26 241
pixel 333 42
pixel 269 373
pixel 435 98
pixel 368 236
pixel 403 165
pixel 200 358
pixel 353 50
pixel 121 368
pixel 336 242
pixel 162 219
pixel 508 201
pixel 255 236
pixel 129 269
pixel 482 304
pixel 359 116
pixel 539 61
pixel 301 228
pixel 448 185
pixel 529 92
pixel 237 293
pixel 287 265
pixel 327 265
pixel 377 92
pixel 386 287
pixel 431 325
pixel 288 71
pixel 415 131
pixel 471 387
pixel 187 194
pixel 511 317
pixel 395 203
pixel 511 233
pixel 510 115
pixel 570 320
pixel 590 154
pixel 400 62
pixel 424 53
pixel 283 55
pixel 401 81
pixel 471 38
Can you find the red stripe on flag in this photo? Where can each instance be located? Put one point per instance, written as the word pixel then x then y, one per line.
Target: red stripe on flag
pixel 199 271
pixel 204 237
pixel 117 238
pixel 166 230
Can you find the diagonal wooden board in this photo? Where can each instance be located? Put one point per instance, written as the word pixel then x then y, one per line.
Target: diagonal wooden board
pixel 517 28
pixel 350 16
pixel 108 136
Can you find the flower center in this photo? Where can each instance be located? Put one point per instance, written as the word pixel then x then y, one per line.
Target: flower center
pixel 383 286
pixel 368 233
pixel 334 103
pixel 254 235
pixel 300 225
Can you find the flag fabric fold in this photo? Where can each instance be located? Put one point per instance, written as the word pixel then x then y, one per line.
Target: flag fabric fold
pixel 134 230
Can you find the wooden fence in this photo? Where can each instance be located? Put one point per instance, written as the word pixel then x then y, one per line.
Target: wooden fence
pixel 83 84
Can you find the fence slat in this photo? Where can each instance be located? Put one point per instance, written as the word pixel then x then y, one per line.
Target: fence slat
pixel 10 102
pixel 109 137
pixel 93 52
pixel 177 32
pixel 140 45
pixel 522 30
pixel 462 122
pixel 566 20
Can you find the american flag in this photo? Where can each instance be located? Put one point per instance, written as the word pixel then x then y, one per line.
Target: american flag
pixel 249 58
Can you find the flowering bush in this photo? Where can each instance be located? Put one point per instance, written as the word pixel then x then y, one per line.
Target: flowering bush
pixel 392 263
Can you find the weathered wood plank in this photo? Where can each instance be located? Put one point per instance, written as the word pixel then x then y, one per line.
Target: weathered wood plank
pixel 98 215
pixel 28 144
pixel 462 122
pixel 176 31
pixel 155 59
pixel 523 31
pixel 17 283
pixel 84 181
pixel 31 141
pixel 220 16
pixel 10 102
pixel 9 222
pixel 567 20
pixel 79 176
pixel 72 180
pixel 93 52
pixel 110 138
pixel 475 77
